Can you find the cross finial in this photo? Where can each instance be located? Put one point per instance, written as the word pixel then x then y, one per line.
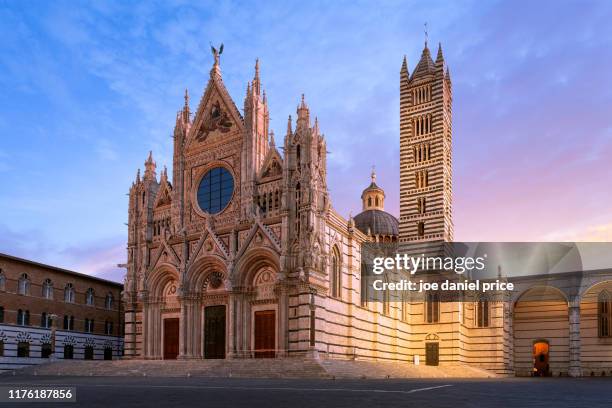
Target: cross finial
pixel 373 174
pixel 426 34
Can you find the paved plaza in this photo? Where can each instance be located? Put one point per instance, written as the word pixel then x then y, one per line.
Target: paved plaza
pixel 228 392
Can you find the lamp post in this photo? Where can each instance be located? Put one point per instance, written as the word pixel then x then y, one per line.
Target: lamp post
pixel 52 318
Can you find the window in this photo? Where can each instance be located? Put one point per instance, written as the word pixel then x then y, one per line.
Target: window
pixel 47 289
pixel 23 286
pixel 432 308
pixel 89 297
pixel 109 301
pixel 68 352
pixel 2 281
pixel 422 125
pixel 421 229
pixel 23 349
pixel 604 314
pixel 421 205
pixel 421 179
pixel 385 297
pixel 335 276
pixel 405 309
pixel 68 322
pixel 69 293
pixel 23 317
pixel 215 190
pixel 364 284
pixel 108 327
pixel 45 350
pixel 89 325
pixel 45 320
pixel 89 353
pixel 482 313
pixel 1 314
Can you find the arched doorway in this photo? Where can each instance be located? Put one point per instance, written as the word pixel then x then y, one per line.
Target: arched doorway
pixel 541 332
pixel 541 367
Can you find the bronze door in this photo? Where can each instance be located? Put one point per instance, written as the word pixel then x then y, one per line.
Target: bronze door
pixel 432 354
pixel 171 339
pixel 265 334
pixel 214 332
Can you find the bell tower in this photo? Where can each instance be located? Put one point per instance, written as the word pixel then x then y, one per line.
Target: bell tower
pixel 425 153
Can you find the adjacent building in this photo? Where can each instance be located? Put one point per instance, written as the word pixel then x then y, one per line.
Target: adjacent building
pixel 49 312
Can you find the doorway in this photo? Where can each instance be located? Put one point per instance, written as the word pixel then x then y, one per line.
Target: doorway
pixel 214 332
pixel 432 354
pixel 171 339
pixel 541 354
pixel 265 334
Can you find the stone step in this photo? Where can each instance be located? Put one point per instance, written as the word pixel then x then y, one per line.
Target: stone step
pixel 255 368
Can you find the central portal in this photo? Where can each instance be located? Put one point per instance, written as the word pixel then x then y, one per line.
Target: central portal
pixel 171 339
pixel 214 332
pixel 265 334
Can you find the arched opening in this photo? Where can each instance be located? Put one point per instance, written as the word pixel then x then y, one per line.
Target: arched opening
pixel 541 367
pixel 541 313
pixel 89 353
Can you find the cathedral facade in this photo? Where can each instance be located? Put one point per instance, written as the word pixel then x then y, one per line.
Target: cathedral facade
pixel 241 253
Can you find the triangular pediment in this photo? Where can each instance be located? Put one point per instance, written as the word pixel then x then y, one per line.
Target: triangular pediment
pixel 272 166
pixel 217 116
pixel 260 235
pixel 164 195
pixel 208 244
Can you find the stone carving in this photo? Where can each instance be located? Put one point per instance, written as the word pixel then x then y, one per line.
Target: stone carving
pixel 217 119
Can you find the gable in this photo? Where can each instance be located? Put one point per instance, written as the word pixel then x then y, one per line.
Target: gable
pixel 217 116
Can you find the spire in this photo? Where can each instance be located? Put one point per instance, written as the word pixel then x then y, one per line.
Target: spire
pixel 256 81
pixel 289 130
pixel 440 57
pixel 150 167
pixel 138 176
pixel 265 98
pixel 316 126
pixel 186 111
pixel 272 143
pixel 426 65
pixel 404 74
pixel 303 117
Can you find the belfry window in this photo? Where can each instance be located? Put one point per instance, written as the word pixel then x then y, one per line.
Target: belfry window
pixel 421 205
pixel 604 314
pixel 421 229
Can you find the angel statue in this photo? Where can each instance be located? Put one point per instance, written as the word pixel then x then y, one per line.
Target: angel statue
pixel 216 53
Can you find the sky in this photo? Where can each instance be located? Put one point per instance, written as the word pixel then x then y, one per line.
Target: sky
pixel 88 88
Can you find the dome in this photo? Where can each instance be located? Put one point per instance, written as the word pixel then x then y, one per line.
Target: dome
pixel 377 222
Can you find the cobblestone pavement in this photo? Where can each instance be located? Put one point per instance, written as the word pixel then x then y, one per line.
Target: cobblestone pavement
pixel 229 393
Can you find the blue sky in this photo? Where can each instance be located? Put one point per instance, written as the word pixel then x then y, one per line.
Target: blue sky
pixel 88 88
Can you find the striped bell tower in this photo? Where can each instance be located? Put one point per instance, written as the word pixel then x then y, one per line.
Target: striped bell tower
pixel 425 154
